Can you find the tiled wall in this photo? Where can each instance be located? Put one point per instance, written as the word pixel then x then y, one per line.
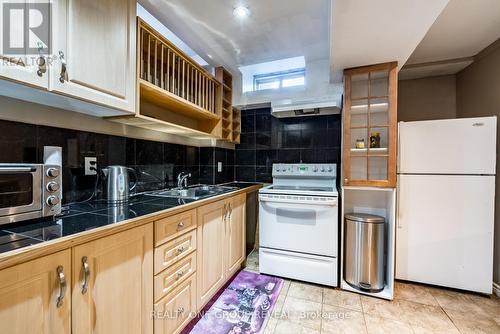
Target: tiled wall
pixel 266 140
pixel 157 164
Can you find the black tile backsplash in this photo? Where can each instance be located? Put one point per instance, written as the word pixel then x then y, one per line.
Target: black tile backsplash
pixel 157 164
pixel 266 140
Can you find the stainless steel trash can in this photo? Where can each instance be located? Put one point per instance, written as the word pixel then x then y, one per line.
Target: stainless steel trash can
pixel 364 246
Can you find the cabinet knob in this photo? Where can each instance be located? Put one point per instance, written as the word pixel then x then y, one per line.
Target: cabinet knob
pixel 180 225
pixel 346 180
pixel 180 250
pixel 64 68
pixel 179 274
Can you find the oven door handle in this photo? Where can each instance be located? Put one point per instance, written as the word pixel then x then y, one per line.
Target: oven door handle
pixel 314 203
pixel 11 169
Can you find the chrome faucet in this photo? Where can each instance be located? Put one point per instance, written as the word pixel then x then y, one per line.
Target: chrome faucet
pixel 182 180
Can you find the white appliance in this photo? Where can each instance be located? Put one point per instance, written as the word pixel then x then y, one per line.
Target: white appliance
pixel 446 199
pixel 306 107
pixel 298 215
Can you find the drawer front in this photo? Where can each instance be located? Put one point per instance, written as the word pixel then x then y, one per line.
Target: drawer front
pixel 169 228
pixel 172 277
pixel 174 250
pixel 176 309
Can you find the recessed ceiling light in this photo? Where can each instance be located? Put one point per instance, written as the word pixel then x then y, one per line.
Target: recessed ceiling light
pixel 241 11
pixel 209 56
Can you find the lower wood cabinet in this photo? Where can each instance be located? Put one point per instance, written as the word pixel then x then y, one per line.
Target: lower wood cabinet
pixel 221 235
pixel 175 310
pixel 235 233
pixel 211 249
pixel 113 284
pixel 35 296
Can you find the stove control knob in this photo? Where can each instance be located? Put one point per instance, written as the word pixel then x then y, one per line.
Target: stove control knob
pixel 315 169
pixel 52 172
pixel 53 200
pixel 330 169
pixel 322 169
pixel 52 186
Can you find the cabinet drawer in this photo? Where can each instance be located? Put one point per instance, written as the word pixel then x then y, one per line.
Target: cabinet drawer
pixel 172 277
pixel 176 309
pixel 174 250
pixel 169 228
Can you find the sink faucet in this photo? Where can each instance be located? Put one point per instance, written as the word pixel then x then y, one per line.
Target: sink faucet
pixel 182 180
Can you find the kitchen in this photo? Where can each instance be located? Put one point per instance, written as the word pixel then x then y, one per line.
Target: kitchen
pixel 247 167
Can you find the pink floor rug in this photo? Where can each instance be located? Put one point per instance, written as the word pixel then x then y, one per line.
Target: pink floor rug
pixel 242 307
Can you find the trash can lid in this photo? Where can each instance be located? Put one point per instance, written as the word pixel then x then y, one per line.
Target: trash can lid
pixel 365 218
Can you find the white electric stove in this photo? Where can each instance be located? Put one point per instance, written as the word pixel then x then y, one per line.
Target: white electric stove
pixel 298 217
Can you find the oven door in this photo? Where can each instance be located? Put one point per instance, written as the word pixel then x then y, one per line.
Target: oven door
pixel 20 191
pixel 306 224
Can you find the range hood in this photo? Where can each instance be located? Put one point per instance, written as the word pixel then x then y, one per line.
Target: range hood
pixel 306 107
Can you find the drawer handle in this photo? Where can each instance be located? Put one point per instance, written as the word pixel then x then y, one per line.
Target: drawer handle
pixel 62 286
pixel 180 225
pixel 180 310
pixel 178 275
pixel 86 275
pixel 181 249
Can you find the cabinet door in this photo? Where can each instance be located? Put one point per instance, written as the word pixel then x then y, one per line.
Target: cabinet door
pixel 29 295
pixel 98 41
pixel 370 117
pixel 235 234
pixel 18 54
pixel 119 294
pixel 211 247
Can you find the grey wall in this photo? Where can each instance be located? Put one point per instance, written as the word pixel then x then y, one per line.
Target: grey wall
pixel 478 94
pixel 427 98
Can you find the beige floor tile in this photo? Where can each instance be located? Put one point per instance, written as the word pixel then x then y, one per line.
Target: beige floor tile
pixel 422 330
pixel 378 325
pixel 303 312
pixel 336 297
pixel 382 308
pixel 289 327
pixel 473 323
pixel 453 300
pixel 270 326
pixel 428 317
pixel 341 320
pixel 306 291
pixel 414 293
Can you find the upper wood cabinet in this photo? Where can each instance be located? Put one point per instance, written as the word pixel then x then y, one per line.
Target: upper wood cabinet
pixel 370 126
pixel 113 284
pixel 35 296
pixel 95 42
pixel 17 62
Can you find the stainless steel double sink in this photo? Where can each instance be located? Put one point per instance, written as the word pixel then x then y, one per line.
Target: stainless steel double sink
pixel 194 193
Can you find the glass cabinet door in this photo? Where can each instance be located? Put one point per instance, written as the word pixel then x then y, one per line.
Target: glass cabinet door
pixel 369 157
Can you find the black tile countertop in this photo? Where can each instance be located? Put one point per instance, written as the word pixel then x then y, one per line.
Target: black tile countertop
pixel 80 217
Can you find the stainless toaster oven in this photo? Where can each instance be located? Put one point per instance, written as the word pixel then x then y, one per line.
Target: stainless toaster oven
pixel 29 191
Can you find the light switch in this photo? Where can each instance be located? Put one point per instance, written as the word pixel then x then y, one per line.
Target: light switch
pixel 219 167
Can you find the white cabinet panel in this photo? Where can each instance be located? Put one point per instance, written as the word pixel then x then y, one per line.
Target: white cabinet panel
pixel 456 146
pixel 445 230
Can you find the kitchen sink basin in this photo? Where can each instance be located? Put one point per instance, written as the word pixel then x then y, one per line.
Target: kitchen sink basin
pixel 196 192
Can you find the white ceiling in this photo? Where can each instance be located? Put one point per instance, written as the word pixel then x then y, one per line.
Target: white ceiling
pixel 368 32
pixel 463 29
pixel 274 30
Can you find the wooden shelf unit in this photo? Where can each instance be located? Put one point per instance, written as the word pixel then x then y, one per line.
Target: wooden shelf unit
pixel 370 106
pixel 226 93
pixel 173 89
pixel 236 125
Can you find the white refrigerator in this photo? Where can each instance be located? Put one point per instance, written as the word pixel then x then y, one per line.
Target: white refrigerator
pixel 446 200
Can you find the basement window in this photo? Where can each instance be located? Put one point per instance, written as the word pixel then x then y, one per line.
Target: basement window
pixel 279 80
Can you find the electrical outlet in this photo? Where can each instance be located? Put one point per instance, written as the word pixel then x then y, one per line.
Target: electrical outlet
pixel 90 165
pixel 219 167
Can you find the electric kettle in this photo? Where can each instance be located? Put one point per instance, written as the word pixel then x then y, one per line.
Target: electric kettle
pixel 118 186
